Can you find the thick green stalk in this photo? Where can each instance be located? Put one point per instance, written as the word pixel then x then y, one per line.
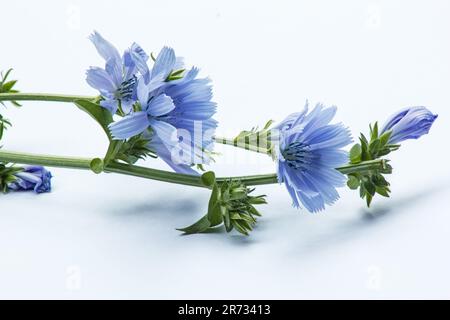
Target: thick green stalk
pixel 243 144
pixel 85 163
pixel 42 97
pixel 160 175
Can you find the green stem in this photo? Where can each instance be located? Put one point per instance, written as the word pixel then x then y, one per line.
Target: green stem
pixel 244 144
pixel 160 175
pixel 42 97
pixel 85 163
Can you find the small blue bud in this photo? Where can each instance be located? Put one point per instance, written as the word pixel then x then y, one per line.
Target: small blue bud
pixel 410 123
pixel 34 178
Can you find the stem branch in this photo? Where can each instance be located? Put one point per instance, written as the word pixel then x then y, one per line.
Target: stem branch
pixel 42 97
pixel 160 175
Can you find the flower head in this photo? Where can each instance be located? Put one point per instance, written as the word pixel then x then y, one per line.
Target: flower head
pixel 117 81
pixel 34 178
pixel 409 123
pixel 309 151
pixel 175 113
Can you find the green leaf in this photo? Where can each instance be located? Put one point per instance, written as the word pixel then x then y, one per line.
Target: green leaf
pixel 130 151
pixel 374 148
pixel 370 187
pixel 383 191
pixel 257 200
pixel 374 132
pixel 379 181
pixel 200 226
pixel 209 178
pixel 5 76
pixel 100 114
pixel 252 210
pixel 268 124
pixel 6 87
pixel 369 200
pixel 15 103
pixel 353 182
pixel 362 191
pixel 383 152
pixel 238 193
pixel 365 154
pixel 215 216
pixel 227 221
pixel 175 75
pixel 97 165
pixel 240 228
pixel 387 169
pixel 384 139
pixel 355 154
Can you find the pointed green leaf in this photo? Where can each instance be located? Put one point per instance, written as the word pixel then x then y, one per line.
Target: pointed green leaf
pixel 384 139
pixel 100 114
pixel 200 226
pixel 227 221
pixel 370 187
pixel 368 199
pixel 374 132
pixel 6 87
pixel 355 154
pixel 214 207
pixel 257 200
pixel 240 228
pixel 215 215
pixel 383 191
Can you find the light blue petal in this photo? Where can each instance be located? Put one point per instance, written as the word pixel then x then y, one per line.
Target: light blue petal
pixel 160 105
pixel 179 63
pixel 28 177
pixel 135 48
pixel 129 65
pixel 197 90
pixel 165 131
pixel 394 119
pixel 114 69
pixel 104 48
pixel 140 58
pixel 293 119
pixel 197 110
pixel 129 126
pixel 333 136
pixel 99 79
pixel 127 105
pixel 161 150
pixel 142 92
pixel 156 82
pixel 165 62
pixel 110 104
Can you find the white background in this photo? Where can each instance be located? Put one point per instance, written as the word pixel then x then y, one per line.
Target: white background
pixel 112 236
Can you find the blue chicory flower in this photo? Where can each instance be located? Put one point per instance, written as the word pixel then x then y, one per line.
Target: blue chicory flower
pixel 34 178
pixel 409 123
pixel 309 151
pixel 177 112
pixel 117 81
